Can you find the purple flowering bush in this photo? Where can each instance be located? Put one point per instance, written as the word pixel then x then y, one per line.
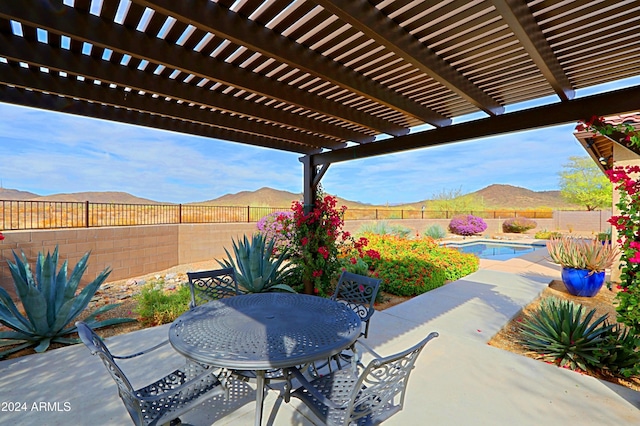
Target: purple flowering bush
pixel 467 225
pixel 279 227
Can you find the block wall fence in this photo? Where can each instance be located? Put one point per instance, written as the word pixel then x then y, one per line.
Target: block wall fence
pixel 133 251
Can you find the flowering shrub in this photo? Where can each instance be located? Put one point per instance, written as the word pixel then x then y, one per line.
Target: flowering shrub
pixel 626 181
pixel 627 223
pixel 518 225
pixel 277 226
pixel 467 225
pixel 411 267
pixel 319 242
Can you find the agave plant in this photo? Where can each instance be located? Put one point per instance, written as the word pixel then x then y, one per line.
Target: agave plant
pixel 50 303
pixel 257 268
pixel 559 333
pixel 582 253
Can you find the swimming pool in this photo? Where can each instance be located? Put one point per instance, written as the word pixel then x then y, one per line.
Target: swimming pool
pixel 495 250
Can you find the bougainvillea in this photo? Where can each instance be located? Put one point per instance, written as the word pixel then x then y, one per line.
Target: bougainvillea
pixel 467 225
pixel 278 226
pixel 626 181
pixel 318 243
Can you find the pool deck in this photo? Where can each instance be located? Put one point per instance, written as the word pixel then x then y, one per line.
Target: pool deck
pixel 458 380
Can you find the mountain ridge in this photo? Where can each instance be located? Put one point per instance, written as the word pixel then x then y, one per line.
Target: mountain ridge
pixel 495 196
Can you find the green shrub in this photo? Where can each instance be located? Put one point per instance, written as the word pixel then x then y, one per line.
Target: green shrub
pixel 518 225
pixel 50 303
pixel 159 306
pixel 547 235
pixel 384 228
pixel 409 276
pixel 436 232
pixel 604 236
pixel 623 357
pixel 360 267
pixel 411 267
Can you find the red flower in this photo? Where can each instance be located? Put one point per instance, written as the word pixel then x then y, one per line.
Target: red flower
pixel 317 273
pixel 1 236
pixel 304 241
pixel 323 251
pixel 373 254
pixel 353 260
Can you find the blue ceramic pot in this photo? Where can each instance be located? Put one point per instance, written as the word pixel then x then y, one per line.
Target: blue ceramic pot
pixel 580 282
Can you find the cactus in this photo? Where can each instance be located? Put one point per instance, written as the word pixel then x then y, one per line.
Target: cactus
pixel 50 303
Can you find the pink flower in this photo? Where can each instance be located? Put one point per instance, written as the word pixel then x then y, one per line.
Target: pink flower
pixel 635 258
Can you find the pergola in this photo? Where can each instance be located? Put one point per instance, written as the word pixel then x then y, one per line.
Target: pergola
pixel 333 80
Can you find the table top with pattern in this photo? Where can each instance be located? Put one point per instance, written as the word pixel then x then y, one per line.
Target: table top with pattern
pixel 264 331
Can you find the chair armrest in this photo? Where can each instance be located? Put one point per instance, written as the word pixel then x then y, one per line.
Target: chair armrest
pixel 153 348
pixel 368 349
pixel 312 390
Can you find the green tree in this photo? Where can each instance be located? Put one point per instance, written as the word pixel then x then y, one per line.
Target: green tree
pixel 454 200
pixel 582 182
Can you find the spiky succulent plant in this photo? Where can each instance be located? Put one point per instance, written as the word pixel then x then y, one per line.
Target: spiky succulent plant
pixel 559 333
pixel 257 268
pixel 50 303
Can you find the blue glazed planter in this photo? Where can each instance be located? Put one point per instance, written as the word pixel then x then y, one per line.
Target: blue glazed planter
pixel 580 283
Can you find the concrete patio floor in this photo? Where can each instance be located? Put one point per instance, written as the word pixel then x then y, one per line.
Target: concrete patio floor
pixel 458 380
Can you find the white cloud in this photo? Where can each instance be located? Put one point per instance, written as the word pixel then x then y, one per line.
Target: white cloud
pixel 53 153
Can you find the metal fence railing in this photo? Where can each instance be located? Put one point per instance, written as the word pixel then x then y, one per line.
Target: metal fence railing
pixel 17 214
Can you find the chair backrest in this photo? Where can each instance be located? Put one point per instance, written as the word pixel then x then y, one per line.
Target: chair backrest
pixel 382 385
pixel 125 390
pixel 359 293
pixel 212 285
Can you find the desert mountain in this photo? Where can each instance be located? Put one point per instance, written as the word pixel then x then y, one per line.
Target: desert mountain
pixel 99 197
pixel 496 196
pixel 14 194
pixel 493 197
pixel 93 197
pixel 271 198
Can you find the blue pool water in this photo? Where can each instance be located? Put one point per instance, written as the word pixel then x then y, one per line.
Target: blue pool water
pixel 495 251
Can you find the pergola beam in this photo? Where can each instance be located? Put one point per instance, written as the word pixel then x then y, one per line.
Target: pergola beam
pixel 519 18
pixel 40 54
pixel 17 96
pixel 362 15
pixel 98 32
pixel 226 24
pixel 615 102
pixel 88 91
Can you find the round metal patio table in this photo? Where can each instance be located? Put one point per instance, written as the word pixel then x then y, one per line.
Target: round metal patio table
pixel 264 331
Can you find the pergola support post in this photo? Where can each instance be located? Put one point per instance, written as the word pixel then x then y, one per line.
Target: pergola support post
pixel 312 176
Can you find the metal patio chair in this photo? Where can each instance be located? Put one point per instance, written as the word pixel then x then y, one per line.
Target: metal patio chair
pixel 212 285
pixel 362 396
pixel 164 400
pixel 359 293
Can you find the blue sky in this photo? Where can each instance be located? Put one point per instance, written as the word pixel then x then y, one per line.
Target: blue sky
pixel 49 153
